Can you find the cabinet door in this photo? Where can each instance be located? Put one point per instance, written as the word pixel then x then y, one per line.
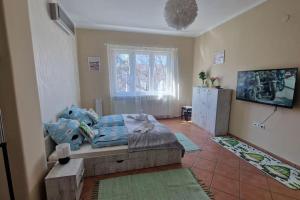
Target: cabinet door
pixel 203 95
pixel 195 105
pixel 201 109
pixel 212 96
pixel 203 120
pixel 223 112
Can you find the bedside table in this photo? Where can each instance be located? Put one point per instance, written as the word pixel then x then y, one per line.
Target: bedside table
pixel 65 181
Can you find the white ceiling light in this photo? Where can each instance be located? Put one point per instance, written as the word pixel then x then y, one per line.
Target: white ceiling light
pixel 179 14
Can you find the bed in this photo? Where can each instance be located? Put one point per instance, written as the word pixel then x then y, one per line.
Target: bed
pixel 142 151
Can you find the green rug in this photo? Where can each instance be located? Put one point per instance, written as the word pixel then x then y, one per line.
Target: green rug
pixel 186 143
pixel 281 172
pixel 178 184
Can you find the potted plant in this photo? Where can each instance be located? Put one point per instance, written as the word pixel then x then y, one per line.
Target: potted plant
pixel 202 76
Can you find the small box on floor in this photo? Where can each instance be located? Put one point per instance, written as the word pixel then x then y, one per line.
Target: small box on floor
pixel 186 113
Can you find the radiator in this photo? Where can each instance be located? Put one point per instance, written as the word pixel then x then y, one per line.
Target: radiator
pixel 98 106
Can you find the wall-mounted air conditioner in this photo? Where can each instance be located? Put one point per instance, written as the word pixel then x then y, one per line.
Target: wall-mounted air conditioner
pixel 61 17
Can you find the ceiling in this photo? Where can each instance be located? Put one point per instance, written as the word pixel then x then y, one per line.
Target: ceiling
pixel 148 15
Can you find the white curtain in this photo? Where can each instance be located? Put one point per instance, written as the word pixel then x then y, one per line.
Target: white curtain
pixel 144 79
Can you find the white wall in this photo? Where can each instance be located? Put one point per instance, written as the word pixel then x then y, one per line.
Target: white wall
pixel 55 56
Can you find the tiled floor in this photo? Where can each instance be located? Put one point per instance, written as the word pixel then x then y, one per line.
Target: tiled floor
pixel 227 176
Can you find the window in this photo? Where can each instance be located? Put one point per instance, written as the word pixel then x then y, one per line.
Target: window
pixel 142 72
pixel 138 71
pixel 122 72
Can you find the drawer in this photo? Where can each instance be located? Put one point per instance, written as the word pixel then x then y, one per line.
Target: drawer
pixel 138 154
pixel 110 166
pixel 123 165
pixel 110 158
pixel 136 160
pixel 97 165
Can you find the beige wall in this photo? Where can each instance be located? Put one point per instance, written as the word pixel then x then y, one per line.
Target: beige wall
pixel 20 103
pixel 55 57
pixel 258 39
pixel 96 84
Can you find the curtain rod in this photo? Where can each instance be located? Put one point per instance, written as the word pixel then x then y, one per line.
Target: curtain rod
pixel 140 46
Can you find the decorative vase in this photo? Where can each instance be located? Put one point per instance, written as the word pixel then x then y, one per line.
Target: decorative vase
pixel 204 84
pixel 212 83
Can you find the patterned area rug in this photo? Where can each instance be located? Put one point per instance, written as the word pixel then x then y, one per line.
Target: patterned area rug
pixel 187 143
pixel 178 184
pixel 281 172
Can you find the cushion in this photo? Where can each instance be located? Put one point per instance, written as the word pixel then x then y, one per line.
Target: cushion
pixel 76 113
pixel 111 136
pixel 110 120
pixel 65 131
pixel 87 132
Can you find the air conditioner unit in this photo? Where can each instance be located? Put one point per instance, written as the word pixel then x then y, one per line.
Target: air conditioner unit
pixel 60 16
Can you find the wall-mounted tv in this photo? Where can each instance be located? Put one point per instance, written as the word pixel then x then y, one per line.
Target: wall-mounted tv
pixel 272 86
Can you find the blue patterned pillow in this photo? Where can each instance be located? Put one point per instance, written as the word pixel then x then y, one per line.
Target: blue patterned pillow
pixel 110 120
pixel 110 136
pixel 77 113
pixel 65 131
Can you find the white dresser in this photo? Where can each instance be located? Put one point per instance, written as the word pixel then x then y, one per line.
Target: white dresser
pixel 211 109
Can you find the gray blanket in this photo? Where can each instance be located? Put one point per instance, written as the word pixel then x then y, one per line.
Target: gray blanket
pixel 160 137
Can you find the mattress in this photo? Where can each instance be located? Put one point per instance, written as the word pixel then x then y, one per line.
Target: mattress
pixel 86 151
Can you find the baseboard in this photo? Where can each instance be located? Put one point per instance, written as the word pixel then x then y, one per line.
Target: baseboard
pixel 267 152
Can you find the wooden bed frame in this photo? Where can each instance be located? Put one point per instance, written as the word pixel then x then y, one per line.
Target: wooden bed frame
pixel 116 161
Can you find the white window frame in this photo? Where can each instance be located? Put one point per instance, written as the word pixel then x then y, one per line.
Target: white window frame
pixel 133 51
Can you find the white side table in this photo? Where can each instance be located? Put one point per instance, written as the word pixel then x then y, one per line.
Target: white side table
pixel 65 181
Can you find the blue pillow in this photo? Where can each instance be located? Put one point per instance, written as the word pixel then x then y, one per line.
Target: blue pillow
pixel 110 120
pixel 77 113
pixel 110 136
pixel 65 131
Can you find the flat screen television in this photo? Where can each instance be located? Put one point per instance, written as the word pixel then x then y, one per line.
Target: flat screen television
pixel 271 86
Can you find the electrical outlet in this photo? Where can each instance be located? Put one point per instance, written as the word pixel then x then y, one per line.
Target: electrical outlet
pixel 255 124
pixel 259 125
pixel 262 126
